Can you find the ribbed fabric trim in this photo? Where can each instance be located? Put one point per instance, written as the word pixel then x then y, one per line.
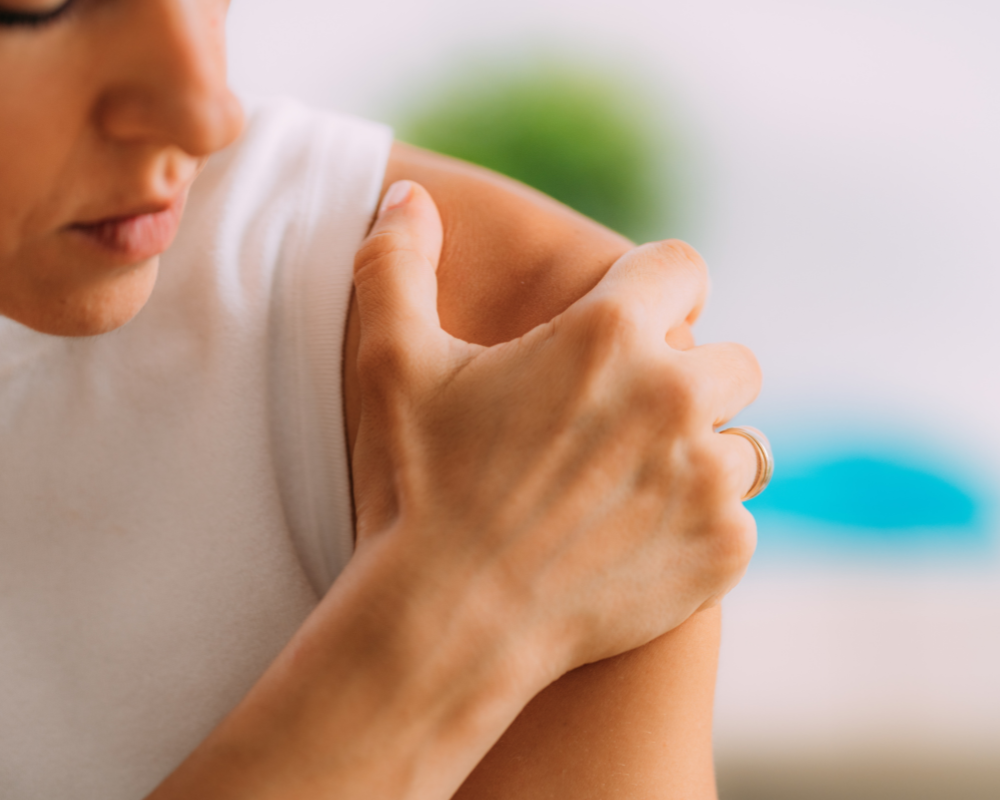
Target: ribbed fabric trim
pixel 348 162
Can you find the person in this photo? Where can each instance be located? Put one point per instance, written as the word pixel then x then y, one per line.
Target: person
pixel 545 516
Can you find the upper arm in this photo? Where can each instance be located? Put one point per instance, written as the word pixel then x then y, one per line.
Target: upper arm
pixel 637 726
pixel 513 258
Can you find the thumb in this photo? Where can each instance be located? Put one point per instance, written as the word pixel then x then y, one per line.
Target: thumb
pixel 395 277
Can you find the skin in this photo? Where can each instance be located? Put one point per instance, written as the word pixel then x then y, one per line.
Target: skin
pixel 110 135
pixel 111 112
pixel 512 259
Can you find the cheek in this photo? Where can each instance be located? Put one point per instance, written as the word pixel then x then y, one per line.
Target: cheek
pixel 28 191
pixel 45 103
pixel 43 112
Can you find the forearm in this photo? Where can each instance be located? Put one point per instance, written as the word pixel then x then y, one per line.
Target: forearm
pixel 387 691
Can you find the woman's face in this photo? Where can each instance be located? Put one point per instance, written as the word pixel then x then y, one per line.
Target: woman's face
pixel 108 109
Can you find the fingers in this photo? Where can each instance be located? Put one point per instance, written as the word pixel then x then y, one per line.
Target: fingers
pixel 661 286
pixel 395 275
pixel 728 378
pixel 742 460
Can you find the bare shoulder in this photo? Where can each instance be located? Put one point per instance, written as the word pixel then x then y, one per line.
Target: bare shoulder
pixel 513 257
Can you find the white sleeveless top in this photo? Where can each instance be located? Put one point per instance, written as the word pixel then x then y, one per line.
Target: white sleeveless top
pixel 174 496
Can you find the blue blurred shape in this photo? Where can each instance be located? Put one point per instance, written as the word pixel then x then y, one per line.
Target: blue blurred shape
pixel 865 491
pixel 856 495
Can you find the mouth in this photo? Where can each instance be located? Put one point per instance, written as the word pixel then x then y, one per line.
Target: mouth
pixel 137 235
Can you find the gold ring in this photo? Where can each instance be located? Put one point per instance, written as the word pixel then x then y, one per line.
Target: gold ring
pixel 765 458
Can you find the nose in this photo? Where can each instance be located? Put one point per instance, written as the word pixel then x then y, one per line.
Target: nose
pixel 166 81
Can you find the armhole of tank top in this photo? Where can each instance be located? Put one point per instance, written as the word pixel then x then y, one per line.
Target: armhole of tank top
pixel 347 164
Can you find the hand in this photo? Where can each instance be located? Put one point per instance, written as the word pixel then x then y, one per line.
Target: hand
pixel 522 510
pixel 566 491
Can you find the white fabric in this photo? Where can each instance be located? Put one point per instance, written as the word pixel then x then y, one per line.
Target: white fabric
pixel 174 496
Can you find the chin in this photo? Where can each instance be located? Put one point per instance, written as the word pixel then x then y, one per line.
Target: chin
pixel 92 309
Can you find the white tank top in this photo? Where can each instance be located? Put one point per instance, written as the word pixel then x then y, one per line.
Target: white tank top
pixel 174 496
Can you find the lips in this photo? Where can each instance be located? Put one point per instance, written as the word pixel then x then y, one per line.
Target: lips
pixel 136 237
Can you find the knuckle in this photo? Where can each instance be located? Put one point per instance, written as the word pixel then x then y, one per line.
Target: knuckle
pixel 378 251
pixel 687 266
pixel 681 394
pixel 745 357
pixel 611 318
pixel 374 247
pixel 683 253
pixel 687 260
pixel 606 331
pixel 382 362
pixel 708 470
pixel 731 543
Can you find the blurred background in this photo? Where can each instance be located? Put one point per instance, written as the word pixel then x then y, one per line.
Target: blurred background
pixel 837 165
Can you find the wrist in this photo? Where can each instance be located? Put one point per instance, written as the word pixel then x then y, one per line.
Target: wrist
pixel 438 669
pixel 448 635
pixel 444 668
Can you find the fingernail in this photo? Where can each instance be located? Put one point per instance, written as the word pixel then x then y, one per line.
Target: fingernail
pixel 397 195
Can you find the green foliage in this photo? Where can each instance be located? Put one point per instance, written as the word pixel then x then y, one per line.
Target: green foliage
pixel 584 138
